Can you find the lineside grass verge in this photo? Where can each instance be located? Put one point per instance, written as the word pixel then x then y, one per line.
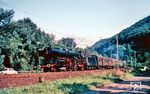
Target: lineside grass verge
pixel 76 85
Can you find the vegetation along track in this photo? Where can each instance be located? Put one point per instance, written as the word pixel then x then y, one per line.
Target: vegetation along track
pixel 16 80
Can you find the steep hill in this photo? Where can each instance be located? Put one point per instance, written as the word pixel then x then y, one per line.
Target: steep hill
pixel 133 42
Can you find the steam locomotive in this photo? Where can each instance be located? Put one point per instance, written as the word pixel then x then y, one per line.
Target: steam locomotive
pixel 57 59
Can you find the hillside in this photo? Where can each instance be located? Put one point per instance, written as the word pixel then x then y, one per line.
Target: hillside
pixel 133 43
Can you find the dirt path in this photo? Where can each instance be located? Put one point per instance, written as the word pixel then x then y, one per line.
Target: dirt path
pixel 135 85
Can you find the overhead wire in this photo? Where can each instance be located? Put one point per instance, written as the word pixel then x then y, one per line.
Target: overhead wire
pixel 47 20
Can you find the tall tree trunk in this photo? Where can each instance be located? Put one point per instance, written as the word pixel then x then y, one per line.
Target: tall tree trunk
pixel 6 61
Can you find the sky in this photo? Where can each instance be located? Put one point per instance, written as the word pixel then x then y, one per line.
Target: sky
pixel 87 21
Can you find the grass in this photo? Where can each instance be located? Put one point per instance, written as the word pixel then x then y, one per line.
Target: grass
pixel 76 85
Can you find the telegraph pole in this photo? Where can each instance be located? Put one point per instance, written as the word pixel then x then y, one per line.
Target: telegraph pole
pixel 117 54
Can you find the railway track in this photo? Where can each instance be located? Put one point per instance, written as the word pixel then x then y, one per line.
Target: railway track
pixel 17 80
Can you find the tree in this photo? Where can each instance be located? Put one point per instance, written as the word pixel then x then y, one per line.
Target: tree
pixel 147 61
pixel 5 38
pixel 5 16
pixel 19 40
pixel 68 43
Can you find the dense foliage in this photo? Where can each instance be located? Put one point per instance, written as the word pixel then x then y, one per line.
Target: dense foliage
pixel 133 47
pixel 21 40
